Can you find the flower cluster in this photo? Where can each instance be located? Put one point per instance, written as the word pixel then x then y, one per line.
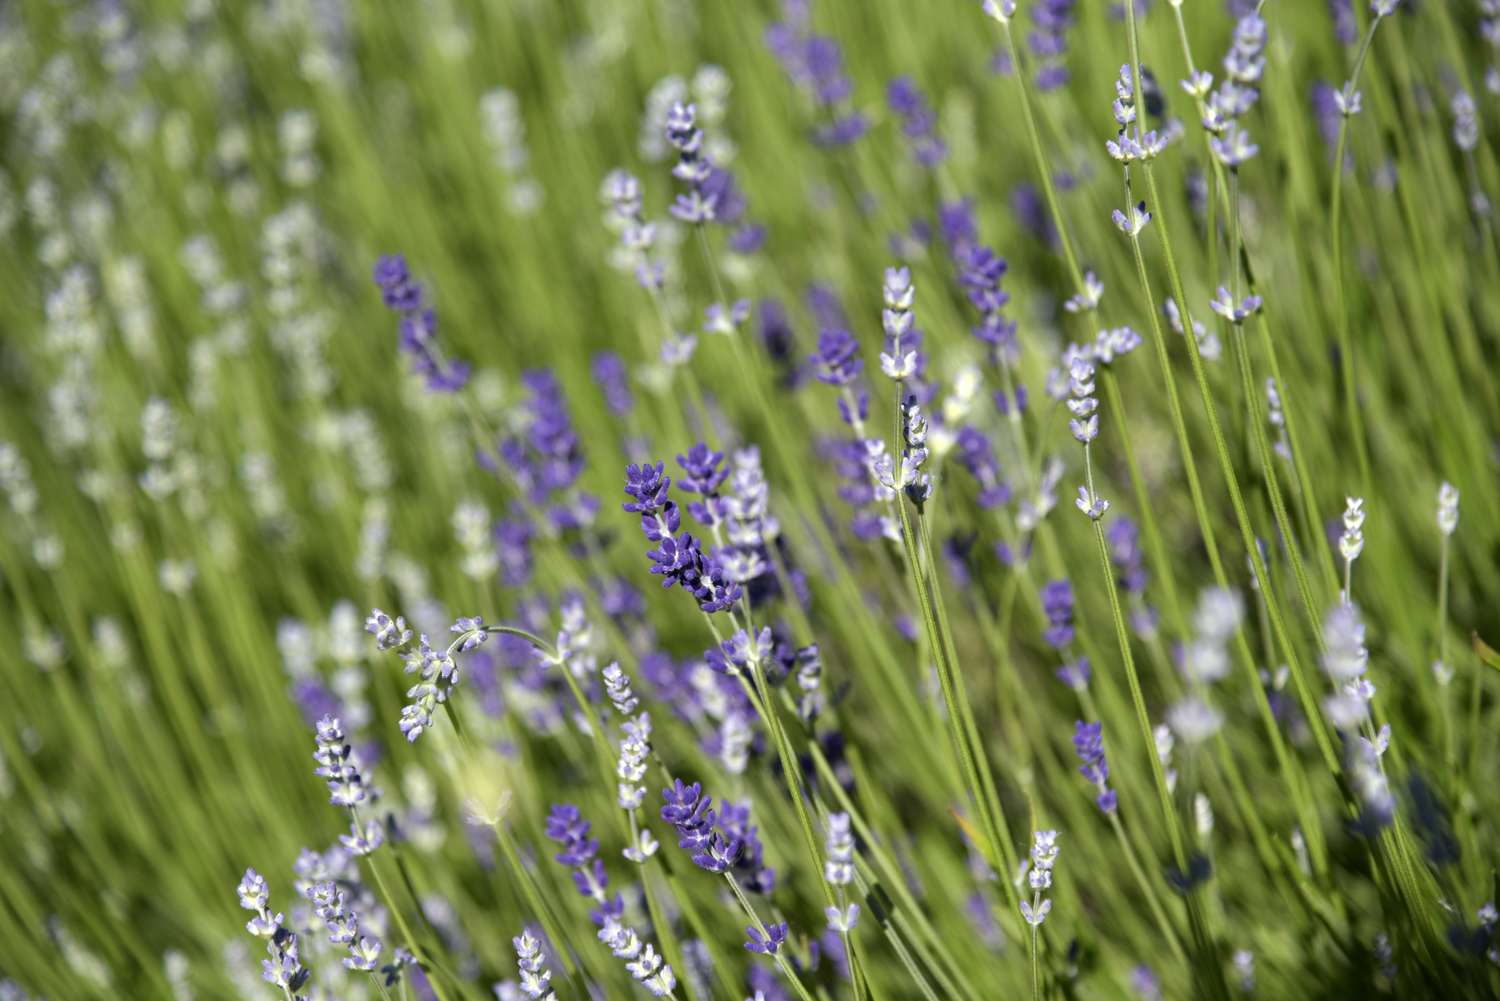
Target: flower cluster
pixel 767 942
pixel 1039 875
pixel 679 559
pixel 331 906
pixel 980 272
pixel 898 362
pixel 338 764
pixel 838 870
pixel 1132 222
pixel 1123 537
pixel 418 326
pixel 1144 144
pixel 918 123
pixel 1235 312
pixel 1205 661
pixel 1088 743
pixel 693 168
pixel 909 476
pixel 691 813
pixel 1352 540
pixel 1057 606
pixel 745 512
pixel 1345 660
pixel 545 456
pixel 815 64
pixel 641 960
pixel 536 979
pixel 437 670
pixel 1447 510
pixel 637 236
pixel 284 968
pixel 1048 42
pixel 580 852
pixel 1085 427
pixel 1223 108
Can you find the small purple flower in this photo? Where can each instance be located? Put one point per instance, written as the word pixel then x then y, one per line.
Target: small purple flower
pixel 1088 743
pixel 545 458
pixel 1234 147
pixel 1223 304
pixel 1057 605
pixel 815 64
pixel 703 470
pixel 766 943
pixel 1048 42
pixel 741 652
pixel 580 852
pixel 1075 674
pixel 918 123
pixel 690 812
pixel 678 559
pixel 1132 223
pixel 699 204
pixel 837 358
pixel 418 326
pixel 609 372
pixel 338 764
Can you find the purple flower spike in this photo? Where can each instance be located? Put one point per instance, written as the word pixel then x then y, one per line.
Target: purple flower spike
pixel 918 123
pixel 579 852
pixel 418 326
pixel 690 812
pixel 837 358
pixel 1088 742
pixel 766 943
pixel 703 472
pixel 1057 605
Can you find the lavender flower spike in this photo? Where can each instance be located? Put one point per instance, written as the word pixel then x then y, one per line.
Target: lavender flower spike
pixel 641 961
pixel 342 923
pixel 1039 875
pixel 1083 405
pixel 284 968
pixel 536 979
pixel 693 167
pixel 389 633
pixel 418 326
pixel 1447 514
pixel 838 869
pixel 1088 742
pixel 337 764
pixel 1085 428
pixel 896 318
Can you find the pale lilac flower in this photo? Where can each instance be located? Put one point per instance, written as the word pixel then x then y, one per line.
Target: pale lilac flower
pixel 1132 223
pixel 1090 504
pixel 1223 304
pixel 838 868
pixel 1352 541
pixel 641 960
pixel 536 979
pixel 1447 512
pixel 1087 299
pixel 1043 857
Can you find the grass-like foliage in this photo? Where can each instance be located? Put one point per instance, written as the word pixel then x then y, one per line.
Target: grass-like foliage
pixel 861 500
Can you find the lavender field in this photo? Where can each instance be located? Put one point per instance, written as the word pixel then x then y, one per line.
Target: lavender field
pixel 786 500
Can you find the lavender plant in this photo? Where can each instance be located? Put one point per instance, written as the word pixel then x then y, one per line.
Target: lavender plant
pixel 1228 273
